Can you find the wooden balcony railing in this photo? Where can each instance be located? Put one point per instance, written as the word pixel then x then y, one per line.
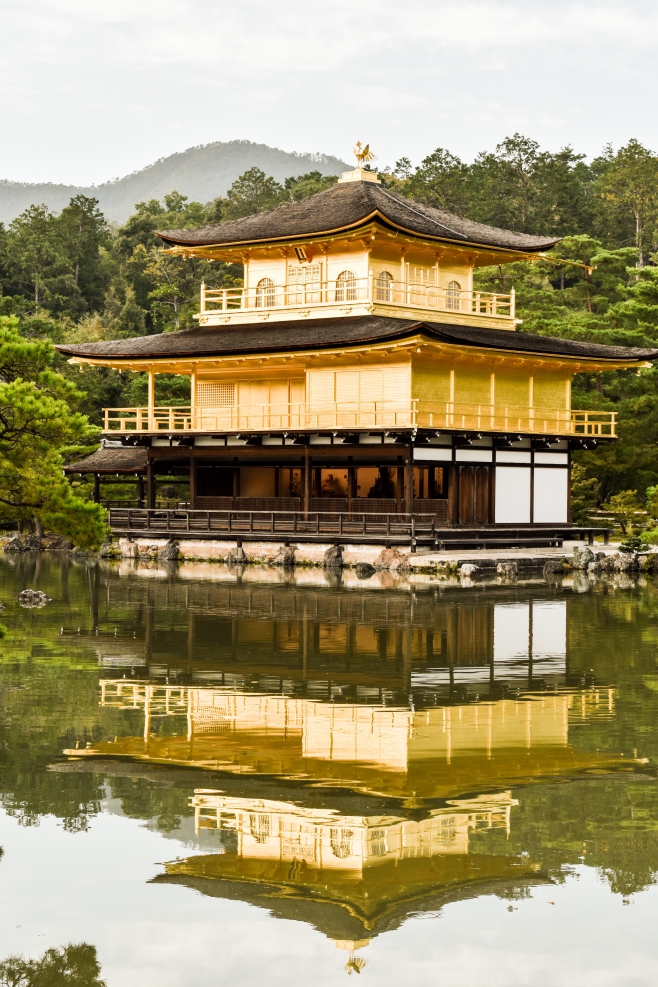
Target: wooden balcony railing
pixel 319 294
pixel 361 416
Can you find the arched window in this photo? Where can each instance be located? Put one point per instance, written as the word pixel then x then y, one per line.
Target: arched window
pixel 384 287
pixel 265 293
pixel 346 287
pixel 453 291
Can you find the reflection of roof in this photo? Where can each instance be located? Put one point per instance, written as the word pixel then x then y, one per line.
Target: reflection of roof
pixel 350 205
pixel 351 909
pixel 111 460
pixel 333 333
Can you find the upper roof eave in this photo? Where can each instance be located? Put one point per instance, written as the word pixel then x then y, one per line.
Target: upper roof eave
pixel 374 216
pixel 348 207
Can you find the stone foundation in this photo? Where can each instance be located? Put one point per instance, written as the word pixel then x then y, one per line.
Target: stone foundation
pixel 254 551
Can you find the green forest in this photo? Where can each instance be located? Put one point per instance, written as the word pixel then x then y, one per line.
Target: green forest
pixel 73 277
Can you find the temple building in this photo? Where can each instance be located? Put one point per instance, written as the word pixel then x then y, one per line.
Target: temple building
pixel 357 373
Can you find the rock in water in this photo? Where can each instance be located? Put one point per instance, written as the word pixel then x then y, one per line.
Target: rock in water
pixel 386 558
pixel 285 556
pixel 333 557
pixel 236 556
pixel 169 552
pixel 509 570
pixel 626 562
pixel 364 570
pixel 582 558
pixel 554 566
pixel 33 598
pixel 14 545
pixel 468 569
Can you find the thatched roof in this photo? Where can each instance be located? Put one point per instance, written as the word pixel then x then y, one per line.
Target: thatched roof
pixel 347 207
pixel 326 334
pixel 111 460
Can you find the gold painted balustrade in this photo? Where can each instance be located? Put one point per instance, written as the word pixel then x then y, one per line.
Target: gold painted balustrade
pixel 361 416
pixel 373 290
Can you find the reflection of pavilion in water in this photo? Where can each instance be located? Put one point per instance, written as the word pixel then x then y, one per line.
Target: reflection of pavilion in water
pixel 406 846
pixel 414 754
pixel 350 876
pixel 372 642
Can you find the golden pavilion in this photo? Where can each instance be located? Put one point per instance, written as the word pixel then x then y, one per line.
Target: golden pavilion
pixel 358 374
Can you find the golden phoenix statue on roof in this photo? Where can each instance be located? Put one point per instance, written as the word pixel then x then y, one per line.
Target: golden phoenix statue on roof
pixel 363 154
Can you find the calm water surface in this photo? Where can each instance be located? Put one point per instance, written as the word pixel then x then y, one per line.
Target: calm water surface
pixel 215 776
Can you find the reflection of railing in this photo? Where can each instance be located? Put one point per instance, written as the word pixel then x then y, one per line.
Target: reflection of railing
pixel 318 294
pixel 310 416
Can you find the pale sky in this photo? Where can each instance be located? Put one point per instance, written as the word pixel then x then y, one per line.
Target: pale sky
pixel 94 89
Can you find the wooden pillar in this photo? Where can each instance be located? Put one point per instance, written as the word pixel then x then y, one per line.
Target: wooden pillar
pixel 97 488
pixel 193 400
pixel 307 479
pixel 192 483
pixel 151 399
pixel 453 494
pixel 351 484
pixel 409 486
pixel 150 484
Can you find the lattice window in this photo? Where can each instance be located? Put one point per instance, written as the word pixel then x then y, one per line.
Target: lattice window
pixel 453 291
pixel 260 826
pixel 383 286
pixel 346 287
pixel 422 275
pixel 340 841
pixel 308 274
pixel 220 394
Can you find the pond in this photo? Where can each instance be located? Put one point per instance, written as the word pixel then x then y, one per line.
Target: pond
pixel 213 775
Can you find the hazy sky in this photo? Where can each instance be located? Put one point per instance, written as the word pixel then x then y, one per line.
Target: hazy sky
pixel 94 89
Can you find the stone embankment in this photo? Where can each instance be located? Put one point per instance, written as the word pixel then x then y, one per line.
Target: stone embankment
pixel 506 565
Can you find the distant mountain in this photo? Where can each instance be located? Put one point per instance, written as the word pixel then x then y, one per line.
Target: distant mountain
pixel 201 173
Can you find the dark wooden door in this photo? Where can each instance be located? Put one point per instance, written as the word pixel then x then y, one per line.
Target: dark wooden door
pixel 481 495
pixel 466 495
pixel 474 494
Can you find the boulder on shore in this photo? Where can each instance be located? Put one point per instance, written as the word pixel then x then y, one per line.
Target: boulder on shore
pixel 333 557
pixel 285 557
pixel 169 552
pixel 386 558
pixel 582 557
pixel 626 562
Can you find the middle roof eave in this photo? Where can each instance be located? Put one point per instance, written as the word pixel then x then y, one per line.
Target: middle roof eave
pixel 328 334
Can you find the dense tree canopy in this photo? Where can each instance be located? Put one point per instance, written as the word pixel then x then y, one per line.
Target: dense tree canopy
pixel 38 424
